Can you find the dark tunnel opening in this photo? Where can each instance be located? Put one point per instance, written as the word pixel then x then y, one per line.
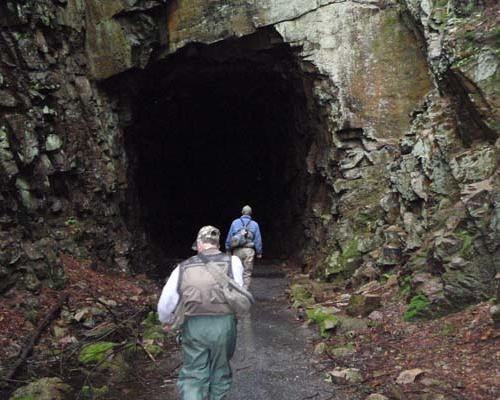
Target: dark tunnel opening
pixel 214 128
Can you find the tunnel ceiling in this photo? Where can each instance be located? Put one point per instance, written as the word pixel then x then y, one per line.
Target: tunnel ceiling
pixel 214 128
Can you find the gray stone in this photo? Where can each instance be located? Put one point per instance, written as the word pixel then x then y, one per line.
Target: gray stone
pixel 351 159
pixel 31 282
pixel 475 165
pixel 367 272
pixel 487 65
pixel 431 286
pixel 346 375
pixel 348 324
pixel 495 314
pixel 24 191
pixel 43 389
pixel 342 351
pixel 32 252
pixel 6 157
pixel 376 316
pixel 363 304
pixel 53 142
pixel 7 99
pixel 409 376
pixel 320 348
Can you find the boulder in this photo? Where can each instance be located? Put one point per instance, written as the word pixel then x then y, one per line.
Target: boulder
pixel 342 351
pixel 320 348
pixel 366 273
pixel 431 286
pixel 346 375
pixel 363 304
pixel 43 389
pixel 409 376
pixel 376 316
pixel 348 324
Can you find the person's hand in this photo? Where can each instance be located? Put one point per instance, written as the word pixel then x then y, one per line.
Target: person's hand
pixel 167 328
pixel 259 255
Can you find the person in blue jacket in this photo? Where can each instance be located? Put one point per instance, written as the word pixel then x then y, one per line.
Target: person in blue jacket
pixel 245 241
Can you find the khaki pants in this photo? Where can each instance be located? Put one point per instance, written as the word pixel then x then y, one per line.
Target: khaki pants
pixel 247 256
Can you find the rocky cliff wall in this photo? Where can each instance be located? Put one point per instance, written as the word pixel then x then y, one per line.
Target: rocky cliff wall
pixel 407 161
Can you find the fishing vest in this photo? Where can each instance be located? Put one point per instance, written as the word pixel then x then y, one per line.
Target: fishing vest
pixel 199 291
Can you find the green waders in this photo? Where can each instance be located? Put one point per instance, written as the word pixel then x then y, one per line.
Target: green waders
pixel 208 343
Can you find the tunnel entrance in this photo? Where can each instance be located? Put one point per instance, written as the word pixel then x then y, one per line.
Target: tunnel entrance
pixel 214 128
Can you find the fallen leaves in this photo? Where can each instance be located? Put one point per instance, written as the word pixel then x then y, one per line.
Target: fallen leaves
pixel 457 355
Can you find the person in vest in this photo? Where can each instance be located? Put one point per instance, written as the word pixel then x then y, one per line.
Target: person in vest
pixel 209 329
pixel 245 250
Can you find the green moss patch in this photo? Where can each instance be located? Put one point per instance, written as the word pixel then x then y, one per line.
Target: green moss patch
pixel 96 352
pixel 323 317
pixel 418 308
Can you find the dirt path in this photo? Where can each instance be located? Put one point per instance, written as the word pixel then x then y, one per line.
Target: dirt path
pixel 272 361
pixel 274 352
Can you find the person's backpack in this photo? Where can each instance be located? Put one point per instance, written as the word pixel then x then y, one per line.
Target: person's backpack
pixel 244 237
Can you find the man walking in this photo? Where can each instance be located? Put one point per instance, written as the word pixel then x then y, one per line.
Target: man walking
pixel 245 241
pixel 209 330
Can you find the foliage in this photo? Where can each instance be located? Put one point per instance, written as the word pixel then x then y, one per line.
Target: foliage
pixel 96 352
pixel 71 221
pixel 324 319
pixel 151 319
pixel 419 304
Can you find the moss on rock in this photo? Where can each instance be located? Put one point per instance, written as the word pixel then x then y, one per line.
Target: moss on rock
pixel 42 389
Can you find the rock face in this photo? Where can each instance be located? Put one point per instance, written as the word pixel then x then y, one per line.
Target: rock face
pixel 401 166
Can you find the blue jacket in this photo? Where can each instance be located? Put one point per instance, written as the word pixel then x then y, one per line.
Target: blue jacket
pixel 252 227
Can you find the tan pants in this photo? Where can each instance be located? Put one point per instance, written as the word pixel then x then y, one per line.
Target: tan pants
pixel 247 256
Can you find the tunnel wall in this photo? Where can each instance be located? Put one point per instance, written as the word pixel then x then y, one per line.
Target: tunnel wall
pixel 405 167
